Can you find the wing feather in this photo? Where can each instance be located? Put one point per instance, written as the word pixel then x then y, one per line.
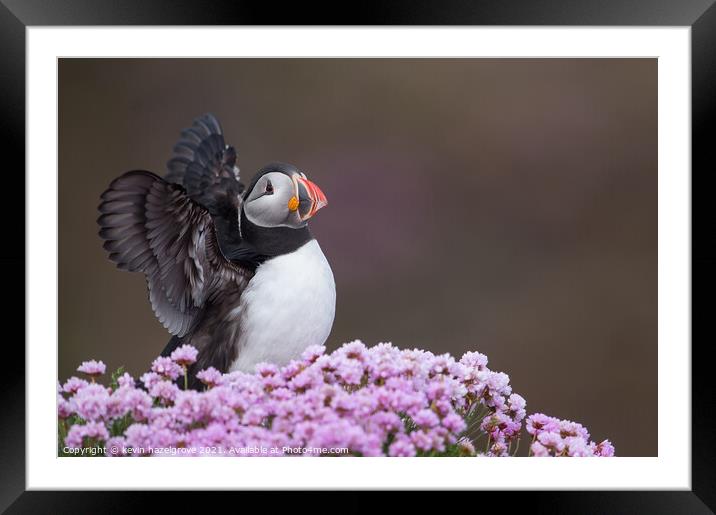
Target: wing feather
pixel 205 166
pixel 150 225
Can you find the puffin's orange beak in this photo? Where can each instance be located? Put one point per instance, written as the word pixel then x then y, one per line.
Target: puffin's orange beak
pixel 310 197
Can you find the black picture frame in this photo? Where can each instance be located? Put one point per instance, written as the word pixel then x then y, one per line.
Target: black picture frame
pixel 16 15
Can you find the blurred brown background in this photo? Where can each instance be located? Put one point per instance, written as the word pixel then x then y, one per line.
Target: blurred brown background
pixel 506 206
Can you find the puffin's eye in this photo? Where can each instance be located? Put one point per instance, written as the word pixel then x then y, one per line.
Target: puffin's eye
pixel 269 188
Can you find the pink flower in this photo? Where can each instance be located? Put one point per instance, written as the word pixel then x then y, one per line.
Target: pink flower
pixel 354 350
pixel 538 422
pixel 73 384
pixel 125 380
pixel 115 446
pixel 64 409
pixel 210 377
pixel 127 399
pixel 78 432
pixel 92 368
pixel 496 384
pixel 266 369
pixel 500 426
pixel 401 446
pixel 312 353
pixel 426 419
pixel 568 428
pixel 387 421
pixel 604 449
pixel 538 450
pixel 552 441
pixel 422 440
pixel 167 368
pixel 367 401
pixel 453 423
pixel 517 405
pixel 139 438
pixel 90 402
pixel 474 360
pixel 184 355
pixel 164 390
pixel 577 447
pixel 349 371
pixel 149 379
pixel 499 448
pixel 190 407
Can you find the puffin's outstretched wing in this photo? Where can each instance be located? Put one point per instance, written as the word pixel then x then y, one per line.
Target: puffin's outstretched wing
pixel 150 225
pixel 205 165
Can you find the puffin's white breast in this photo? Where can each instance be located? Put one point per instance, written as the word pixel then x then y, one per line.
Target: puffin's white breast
pixel 288 305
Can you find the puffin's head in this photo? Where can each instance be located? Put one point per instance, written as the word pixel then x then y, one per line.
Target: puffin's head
pixel 280 195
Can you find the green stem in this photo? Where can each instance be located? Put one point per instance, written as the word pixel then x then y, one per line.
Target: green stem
pixel 186 378
pixel 529 451
pixel 517 447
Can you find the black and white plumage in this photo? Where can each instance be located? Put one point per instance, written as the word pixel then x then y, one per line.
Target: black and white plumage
pixel 233 271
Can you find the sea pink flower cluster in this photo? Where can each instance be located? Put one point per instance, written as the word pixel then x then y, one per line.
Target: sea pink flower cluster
pixel 554 437
pixel 377 401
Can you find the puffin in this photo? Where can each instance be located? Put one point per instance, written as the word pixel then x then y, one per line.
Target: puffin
pixel 232 270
